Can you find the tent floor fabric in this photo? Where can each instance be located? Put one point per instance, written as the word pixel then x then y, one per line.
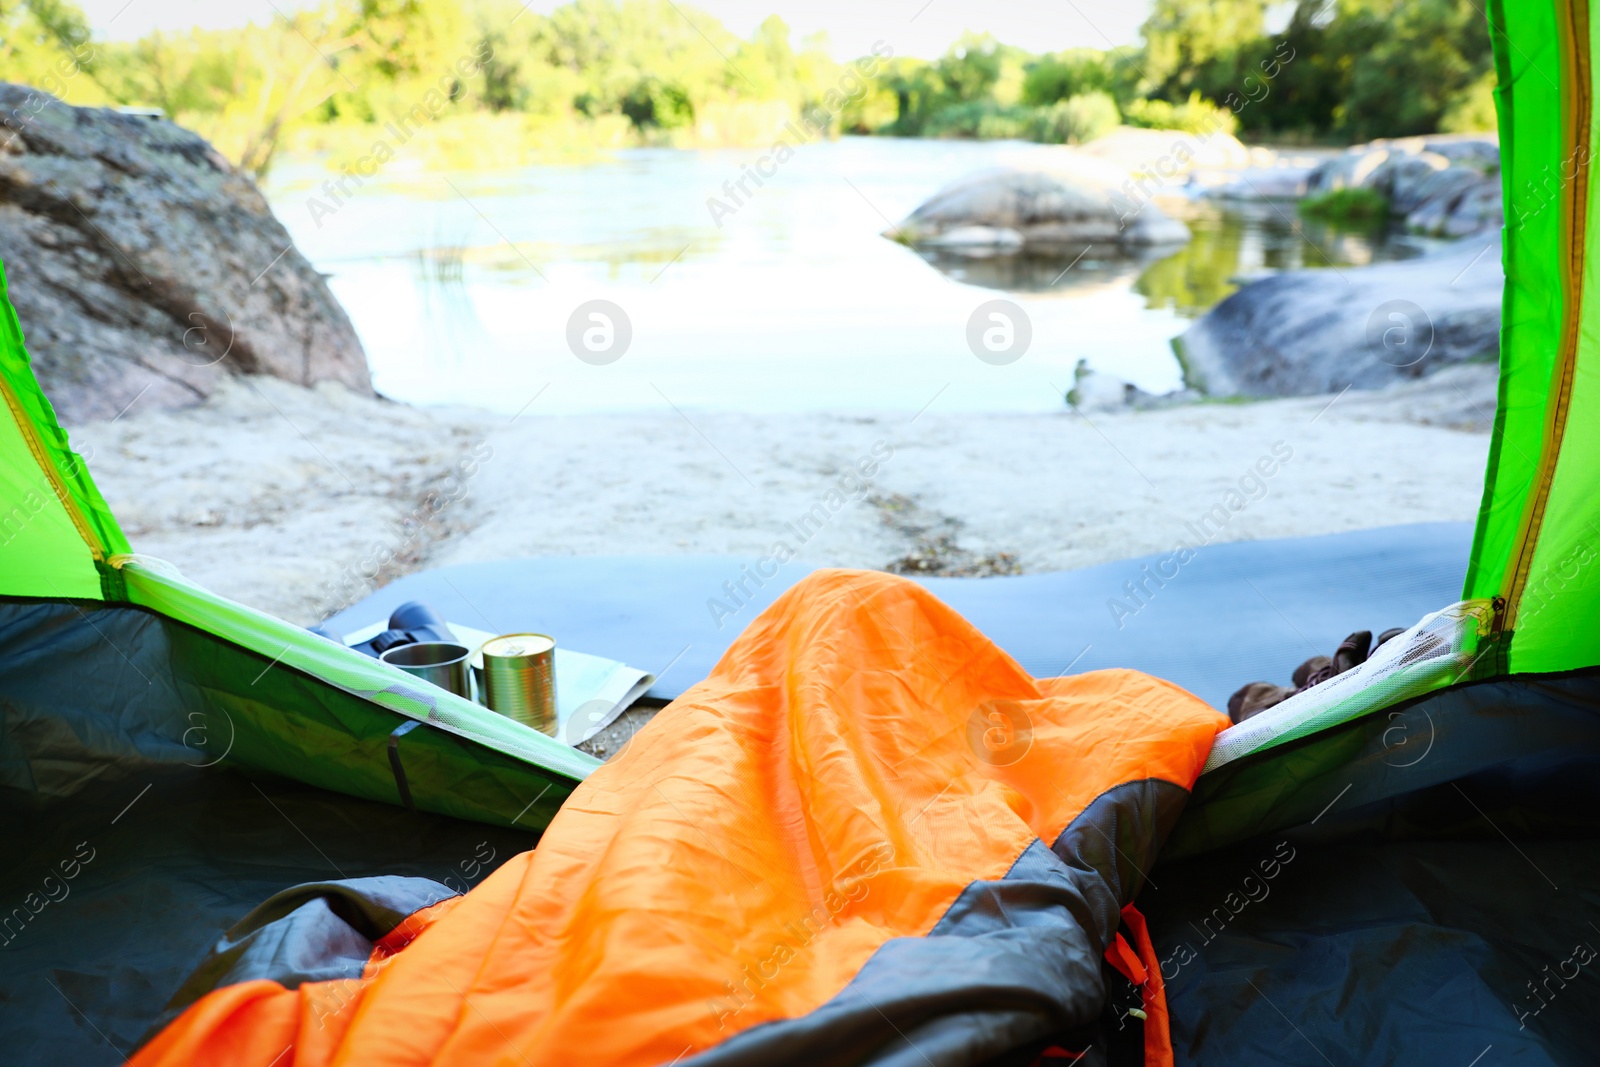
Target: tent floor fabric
pixel 1441 899
pixel 87 976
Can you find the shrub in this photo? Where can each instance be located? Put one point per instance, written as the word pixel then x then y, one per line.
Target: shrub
pixel 1004 125
pixel 1196 115
pixel 978 118
pixel 1072 121
pixel 652 102
pixel 1075 120
pixel 1347 205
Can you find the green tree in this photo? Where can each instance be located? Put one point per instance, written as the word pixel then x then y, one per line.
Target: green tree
pixel 1309 75
pixel 46 43
pixel 970 69
pixel 1202 45
pixel 1409 59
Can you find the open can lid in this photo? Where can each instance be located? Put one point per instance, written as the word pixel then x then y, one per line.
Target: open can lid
pixel 517 646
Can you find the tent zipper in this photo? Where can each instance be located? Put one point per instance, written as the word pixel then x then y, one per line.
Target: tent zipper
pixel 41 456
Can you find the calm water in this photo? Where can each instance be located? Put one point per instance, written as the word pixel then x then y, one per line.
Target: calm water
pixel 462 285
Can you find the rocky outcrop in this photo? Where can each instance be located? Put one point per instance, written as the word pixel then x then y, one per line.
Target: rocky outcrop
pixel 1443 186
pixel 144 267
pixel 1320 331
pixel 1079 201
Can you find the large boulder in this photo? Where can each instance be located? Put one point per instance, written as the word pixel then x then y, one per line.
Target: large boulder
pixel 1320 331
pixel 1079 200
pixel 144 267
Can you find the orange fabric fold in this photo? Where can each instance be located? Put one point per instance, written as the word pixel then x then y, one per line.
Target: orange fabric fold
pixel 1140 965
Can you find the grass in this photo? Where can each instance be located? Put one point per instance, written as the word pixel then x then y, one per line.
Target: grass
pixel 1347 206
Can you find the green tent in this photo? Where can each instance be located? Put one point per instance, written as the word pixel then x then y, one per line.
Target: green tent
pixel 116 671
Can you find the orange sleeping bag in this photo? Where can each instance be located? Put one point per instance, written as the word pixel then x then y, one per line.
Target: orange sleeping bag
pixel 868 837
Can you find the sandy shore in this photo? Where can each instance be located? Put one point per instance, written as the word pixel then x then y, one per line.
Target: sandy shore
pixel 300 501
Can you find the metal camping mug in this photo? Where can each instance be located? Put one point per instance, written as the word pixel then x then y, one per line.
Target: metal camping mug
pixel 519 679
pixel 444 663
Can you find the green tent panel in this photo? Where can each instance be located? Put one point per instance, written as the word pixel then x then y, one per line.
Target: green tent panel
pixel 1562 583
pixel 1536 542
pixel 54 527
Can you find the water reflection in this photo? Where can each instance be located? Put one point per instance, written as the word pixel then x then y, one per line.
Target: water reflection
pixel 1071 270
pixel 1236 243
pixel 1233 244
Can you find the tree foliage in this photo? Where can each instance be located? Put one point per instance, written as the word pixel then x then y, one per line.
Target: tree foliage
pixel 1356 69
pixel 660 71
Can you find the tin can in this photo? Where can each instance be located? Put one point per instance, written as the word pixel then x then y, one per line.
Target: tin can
pixel 443 663
pixel 519 679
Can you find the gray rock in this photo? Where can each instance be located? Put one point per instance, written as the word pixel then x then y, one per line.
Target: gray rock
pixel 1319 331
pixel 1351 169
pixel 1094 390
pixel 1441 186
pixel 1358 165
pixel 1286 182
pixel 144 267
pixel 1477 150
pixel 1409 180
pixel 1080 200
pixel 1477 208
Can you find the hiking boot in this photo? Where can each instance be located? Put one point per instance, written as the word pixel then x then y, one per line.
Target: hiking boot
pixel 1255 698
pixel 1314 665
pixel 1352 651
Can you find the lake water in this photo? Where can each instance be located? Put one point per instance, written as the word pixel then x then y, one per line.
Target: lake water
pixel 464 285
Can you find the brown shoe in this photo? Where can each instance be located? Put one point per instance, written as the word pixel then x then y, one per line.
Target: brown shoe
pixel 1255 698
pixel 1316 665
pixel 1353 651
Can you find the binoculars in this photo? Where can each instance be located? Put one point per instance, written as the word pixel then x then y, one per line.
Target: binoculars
pixel 411 623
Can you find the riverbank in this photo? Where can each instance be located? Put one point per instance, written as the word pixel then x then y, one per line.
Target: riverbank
pixel 299 501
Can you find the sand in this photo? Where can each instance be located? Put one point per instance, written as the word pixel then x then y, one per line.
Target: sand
pixel 300 501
